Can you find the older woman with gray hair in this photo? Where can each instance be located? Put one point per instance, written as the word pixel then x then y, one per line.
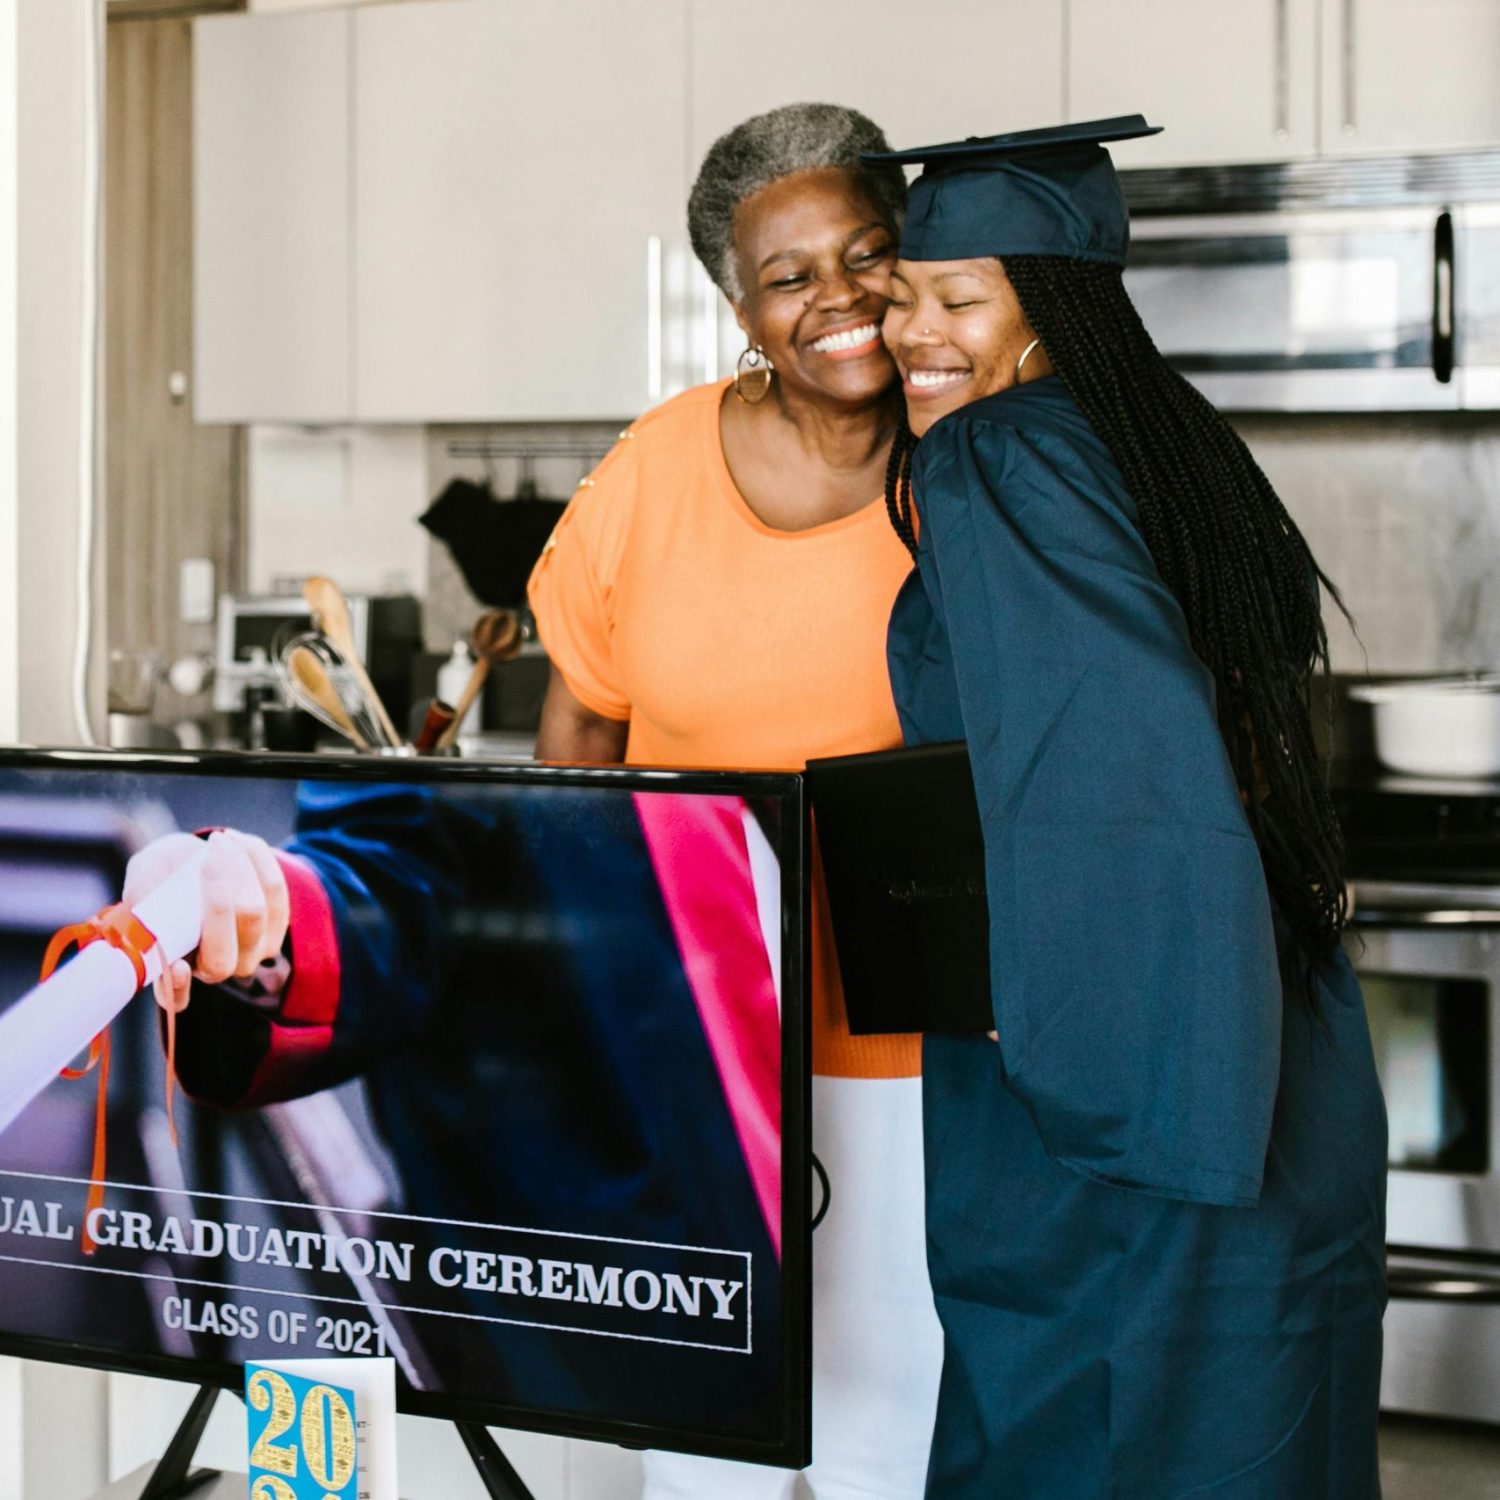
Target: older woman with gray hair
pixel 717 595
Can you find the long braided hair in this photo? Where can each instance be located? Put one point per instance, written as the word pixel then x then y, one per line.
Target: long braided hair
pixel 1225 546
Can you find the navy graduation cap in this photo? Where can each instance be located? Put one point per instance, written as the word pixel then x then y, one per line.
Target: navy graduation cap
pixel 1032 192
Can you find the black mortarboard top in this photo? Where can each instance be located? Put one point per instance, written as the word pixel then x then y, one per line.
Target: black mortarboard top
pixel 1032 192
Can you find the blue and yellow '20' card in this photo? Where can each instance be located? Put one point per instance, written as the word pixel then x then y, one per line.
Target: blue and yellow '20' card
pixel 302 1437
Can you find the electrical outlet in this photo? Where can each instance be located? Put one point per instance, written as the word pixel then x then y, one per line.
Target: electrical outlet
pixel 195 591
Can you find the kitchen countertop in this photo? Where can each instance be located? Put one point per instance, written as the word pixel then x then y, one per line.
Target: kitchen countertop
pixel 1424 1459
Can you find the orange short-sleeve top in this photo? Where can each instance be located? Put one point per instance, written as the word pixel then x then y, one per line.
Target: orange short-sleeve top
pixel 663 599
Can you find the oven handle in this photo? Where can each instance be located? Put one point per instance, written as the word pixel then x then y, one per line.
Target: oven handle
pixel 1394 903
pixel 1432 1279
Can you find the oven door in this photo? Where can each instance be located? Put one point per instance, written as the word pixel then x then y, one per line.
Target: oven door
pixel 1428 958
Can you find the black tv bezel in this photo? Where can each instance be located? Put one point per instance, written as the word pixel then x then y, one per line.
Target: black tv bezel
pixel 794 1448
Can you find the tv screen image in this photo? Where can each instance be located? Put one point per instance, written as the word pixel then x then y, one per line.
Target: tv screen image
pixel 520 1101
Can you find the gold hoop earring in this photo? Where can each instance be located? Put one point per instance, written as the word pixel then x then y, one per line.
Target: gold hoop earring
pixel 752 376
pixel 1025 355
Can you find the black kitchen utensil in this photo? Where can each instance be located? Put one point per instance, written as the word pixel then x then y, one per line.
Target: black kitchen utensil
pixel 495 543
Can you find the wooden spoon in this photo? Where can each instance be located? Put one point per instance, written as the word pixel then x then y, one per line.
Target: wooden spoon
pixel 330 612
pixel 312 679
pixel 496 637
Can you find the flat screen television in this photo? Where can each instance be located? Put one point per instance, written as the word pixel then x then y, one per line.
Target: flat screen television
pixel 519 1101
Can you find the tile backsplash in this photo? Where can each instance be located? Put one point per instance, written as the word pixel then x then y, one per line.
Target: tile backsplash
pixel 1403 514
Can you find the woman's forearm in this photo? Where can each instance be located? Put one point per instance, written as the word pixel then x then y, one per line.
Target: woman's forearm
pixel 571 731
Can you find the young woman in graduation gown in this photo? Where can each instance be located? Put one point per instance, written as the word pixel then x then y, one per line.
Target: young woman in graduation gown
pixel 1155 1200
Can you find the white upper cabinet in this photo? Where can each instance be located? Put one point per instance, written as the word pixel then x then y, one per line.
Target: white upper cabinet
pixel 933 72
pixel 518 208
pixel 1410 75
pixel 474 210
pixel 270 214
pixel 1229 82
pixel 937 72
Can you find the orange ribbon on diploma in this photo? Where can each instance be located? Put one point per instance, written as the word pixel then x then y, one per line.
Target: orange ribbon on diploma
pixel 118 926
pixel 120 952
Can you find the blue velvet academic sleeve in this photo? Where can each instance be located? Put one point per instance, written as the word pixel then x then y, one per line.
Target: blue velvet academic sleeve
pixel 392 867
pixel 1135 980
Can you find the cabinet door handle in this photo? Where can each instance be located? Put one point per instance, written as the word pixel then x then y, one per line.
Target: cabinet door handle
pixel 1350 64
pixel 1442 298
pixel 1283 124
pixel 653 317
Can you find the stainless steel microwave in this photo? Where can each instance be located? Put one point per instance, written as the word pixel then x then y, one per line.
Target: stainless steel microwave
pixel 1361 285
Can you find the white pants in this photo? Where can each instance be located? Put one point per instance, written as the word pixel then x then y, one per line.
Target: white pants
pixel 877 1344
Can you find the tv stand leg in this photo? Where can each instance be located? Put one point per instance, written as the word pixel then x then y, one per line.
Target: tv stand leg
pixel 501 1482
pixel 171 1479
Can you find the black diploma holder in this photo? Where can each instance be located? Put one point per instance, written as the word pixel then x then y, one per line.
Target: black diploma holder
pixel 903 860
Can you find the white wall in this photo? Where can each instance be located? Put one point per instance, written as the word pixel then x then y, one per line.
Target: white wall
pixel 11 1454
pixel 65 1431
pixel 53 1431
pixel 10 1429
pixel 342 501
pixel 52 51
pixel 9 614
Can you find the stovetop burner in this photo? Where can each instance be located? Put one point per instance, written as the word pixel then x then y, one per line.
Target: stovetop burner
pixel 1418 828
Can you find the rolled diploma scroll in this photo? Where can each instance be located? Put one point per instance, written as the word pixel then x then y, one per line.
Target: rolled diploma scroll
pixel 49 1026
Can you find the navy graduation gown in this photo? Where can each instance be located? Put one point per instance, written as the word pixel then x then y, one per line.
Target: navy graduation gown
pixel 1156 1207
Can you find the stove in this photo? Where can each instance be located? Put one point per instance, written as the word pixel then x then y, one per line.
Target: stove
pixel 1424 868
pixel 1409 828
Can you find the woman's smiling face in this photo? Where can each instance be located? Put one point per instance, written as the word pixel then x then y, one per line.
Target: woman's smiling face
pixel 956 330
pixel 815 258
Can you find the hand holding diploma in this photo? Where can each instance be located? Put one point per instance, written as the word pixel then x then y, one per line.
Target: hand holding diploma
pixel 215 907
pixel 243 906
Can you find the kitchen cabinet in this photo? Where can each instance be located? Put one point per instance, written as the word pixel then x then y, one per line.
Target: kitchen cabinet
pixel 951 69
pixel 270 217
pixel 946 70
pixel 518 208
pixel 472 210
pixel 1243 82
pixel 452 210
pixel 1227 82
pixel 1410 75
